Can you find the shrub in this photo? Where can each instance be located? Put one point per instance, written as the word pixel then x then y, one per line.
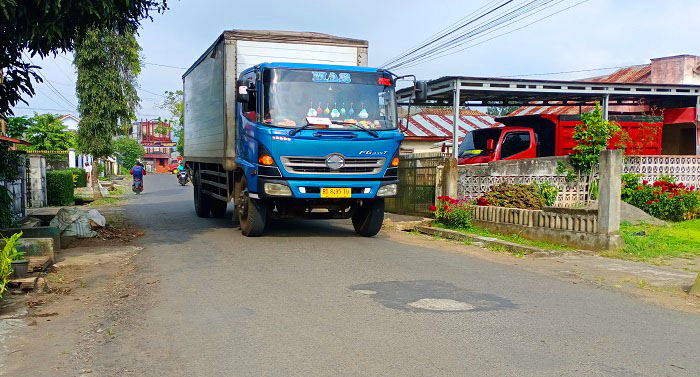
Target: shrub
pixel 79 177
pixel 59 187
pixel 513 196
pixel 7 255
pixel 666 200
pixel 630 181
pixel 548 192
pixel 453 213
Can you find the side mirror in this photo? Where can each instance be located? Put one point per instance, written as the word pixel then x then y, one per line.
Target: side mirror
pixel 242 91
pixel 421 91
pixel 490 145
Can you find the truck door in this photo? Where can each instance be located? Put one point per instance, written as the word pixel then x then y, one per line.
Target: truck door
pixel 518 145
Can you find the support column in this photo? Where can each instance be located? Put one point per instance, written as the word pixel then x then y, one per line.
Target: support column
pixel 71 158
pixel 455 125
pixel 697 126
pixel 606 104
pixel 610 191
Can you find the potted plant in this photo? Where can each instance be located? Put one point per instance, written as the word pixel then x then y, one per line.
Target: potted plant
pixel 20 265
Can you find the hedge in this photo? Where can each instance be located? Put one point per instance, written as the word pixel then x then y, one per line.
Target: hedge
pixel 79 177
pixel 59 187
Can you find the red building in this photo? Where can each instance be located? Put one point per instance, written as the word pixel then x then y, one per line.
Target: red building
pixel 155 138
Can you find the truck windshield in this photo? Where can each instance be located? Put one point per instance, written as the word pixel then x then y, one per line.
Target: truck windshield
pixel 338 99
pixel 474 143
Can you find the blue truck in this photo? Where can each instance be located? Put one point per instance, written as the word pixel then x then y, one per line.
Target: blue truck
pixel 290 139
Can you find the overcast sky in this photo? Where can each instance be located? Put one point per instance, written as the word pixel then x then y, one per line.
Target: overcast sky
pixel 594 34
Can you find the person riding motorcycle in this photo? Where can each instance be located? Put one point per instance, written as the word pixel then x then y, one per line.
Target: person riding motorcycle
pixel 138 171
pixel 180 169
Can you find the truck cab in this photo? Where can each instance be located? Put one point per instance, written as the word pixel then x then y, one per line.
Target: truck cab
pixel 500 143
pixel 315 141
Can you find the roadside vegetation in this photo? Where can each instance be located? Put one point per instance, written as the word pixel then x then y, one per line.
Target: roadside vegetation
pixel 649 242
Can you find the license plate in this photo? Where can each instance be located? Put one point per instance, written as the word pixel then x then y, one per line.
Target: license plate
pixel 336 192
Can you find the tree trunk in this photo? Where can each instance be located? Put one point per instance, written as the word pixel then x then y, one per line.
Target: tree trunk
pixel 695 289
pixel 95 182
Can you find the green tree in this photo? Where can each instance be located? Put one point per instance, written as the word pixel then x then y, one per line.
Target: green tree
pixel 17 126
pixel 47 133
pixel 592 136
pixel 49 27
pixel 174 102
pixel 128 151
pixel 501 110
pixel 107 62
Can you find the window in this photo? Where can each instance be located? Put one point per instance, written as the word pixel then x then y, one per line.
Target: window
pixel 250 108
pixel 514 143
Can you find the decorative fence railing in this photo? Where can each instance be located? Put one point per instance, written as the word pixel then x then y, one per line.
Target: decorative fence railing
pixel 685 169
pixel 476 180
pixel 416 184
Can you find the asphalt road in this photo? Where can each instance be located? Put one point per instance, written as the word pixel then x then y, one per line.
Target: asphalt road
pixel 313 299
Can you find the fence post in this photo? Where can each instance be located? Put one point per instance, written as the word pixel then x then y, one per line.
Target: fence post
pixel 610 191
pixel 450 176
pixel 71 158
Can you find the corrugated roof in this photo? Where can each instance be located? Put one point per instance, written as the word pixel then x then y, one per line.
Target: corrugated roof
pixel 438 123
pixel 637 74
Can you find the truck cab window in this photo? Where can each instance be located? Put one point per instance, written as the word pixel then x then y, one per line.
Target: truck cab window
pixel 250 109
pixel 514 143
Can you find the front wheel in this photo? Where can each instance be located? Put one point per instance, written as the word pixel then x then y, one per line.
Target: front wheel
pixel 368 217
pixel 252 213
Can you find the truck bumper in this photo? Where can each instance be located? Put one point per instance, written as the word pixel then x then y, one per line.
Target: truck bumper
pixel 311 189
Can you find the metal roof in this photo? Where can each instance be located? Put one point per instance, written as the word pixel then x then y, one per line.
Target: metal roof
pixel 438 123
pixel 490 91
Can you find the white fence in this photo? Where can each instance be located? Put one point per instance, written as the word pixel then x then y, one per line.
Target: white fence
pixel 685 169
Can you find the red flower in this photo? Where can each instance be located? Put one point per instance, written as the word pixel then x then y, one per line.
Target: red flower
pixel 656 200
pixel 433 208
pixel 446 207
pixel 648 201
pixel 645 182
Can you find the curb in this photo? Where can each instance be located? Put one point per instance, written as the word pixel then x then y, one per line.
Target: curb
pixel 486 241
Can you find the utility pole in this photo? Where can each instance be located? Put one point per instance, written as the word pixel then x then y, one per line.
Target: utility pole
pixel 3 128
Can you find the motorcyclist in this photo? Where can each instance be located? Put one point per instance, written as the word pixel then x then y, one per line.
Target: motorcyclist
pixel 182 168
pixel 138 171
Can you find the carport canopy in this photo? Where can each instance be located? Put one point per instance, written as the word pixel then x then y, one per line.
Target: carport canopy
pixel 457 91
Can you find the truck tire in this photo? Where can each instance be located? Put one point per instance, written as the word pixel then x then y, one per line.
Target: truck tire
pixel 252 213
pixel 201 202
pixel 218 207
pixel 368 218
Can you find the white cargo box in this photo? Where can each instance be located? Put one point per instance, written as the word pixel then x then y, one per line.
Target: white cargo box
pixel 209 85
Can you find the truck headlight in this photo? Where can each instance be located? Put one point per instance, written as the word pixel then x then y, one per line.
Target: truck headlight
pixel 277 189
pixel 388 190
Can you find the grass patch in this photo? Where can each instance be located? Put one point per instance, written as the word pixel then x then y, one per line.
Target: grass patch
pixel 649 242
pixel 515 238
pixel 106 201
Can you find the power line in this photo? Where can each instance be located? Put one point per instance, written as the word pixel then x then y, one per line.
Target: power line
pixel 497 36
pixel 49 83
pixel 563 72
pixel 42 108
pixel 409 53
pixel 164 65
pixel 486 27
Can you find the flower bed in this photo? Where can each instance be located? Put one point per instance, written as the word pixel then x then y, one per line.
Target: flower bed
pixel 666 200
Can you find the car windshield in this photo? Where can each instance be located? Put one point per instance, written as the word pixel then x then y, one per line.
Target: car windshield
pixel 335 99
pixel 474 143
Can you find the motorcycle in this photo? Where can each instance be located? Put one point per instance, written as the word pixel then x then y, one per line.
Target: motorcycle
pixel 183 177
pixel 137 186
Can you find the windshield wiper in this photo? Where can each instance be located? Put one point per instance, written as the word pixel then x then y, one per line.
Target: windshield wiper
pixel 371 132
pixel 298 129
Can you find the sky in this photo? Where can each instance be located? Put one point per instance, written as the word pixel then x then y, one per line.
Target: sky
pixel 594 34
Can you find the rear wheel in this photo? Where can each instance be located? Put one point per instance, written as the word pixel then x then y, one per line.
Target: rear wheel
pixel 368 217
pixel 252 213
pixel 202 202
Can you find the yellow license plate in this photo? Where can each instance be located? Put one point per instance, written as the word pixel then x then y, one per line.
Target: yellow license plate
pixel 336 192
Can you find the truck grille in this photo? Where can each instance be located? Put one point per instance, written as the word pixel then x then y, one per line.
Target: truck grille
pixel 317 165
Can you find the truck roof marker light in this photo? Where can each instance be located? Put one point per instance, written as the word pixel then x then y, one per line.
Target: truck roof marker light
pixel 266 160
pixel 384 81
pixel 395 161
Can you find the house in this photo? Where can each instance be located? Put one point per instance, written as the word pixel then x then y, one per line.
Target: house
pixel 680 135
pixel 155 136
pixel 431 128
pixel 70 122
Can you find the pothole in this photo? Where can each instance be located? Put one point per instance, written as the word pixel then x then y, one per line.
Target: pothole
pixel 441 305
pixel 365 292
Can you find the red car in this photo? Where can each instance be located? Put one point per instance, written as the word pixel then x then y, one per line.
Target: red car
pixel 173 166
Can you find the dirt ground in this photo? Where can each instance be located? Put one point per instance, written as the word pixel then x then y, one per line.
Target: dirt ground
pixel 53 330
